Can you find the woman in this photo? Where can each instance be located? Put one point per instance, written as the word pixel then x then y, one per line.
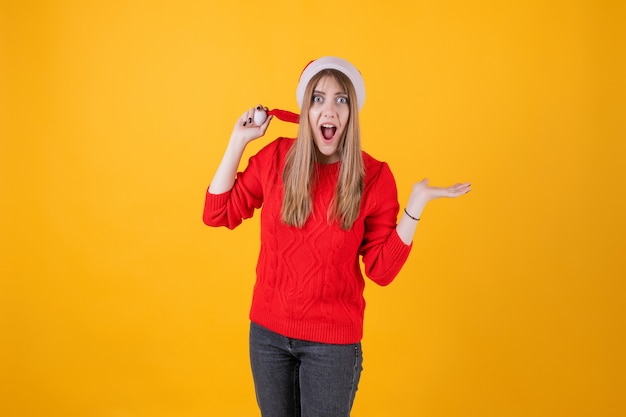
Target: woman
pixel 325 204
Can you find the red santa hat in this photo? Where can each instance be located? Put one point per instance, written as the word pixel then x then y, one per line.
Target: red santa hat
pixel 313 67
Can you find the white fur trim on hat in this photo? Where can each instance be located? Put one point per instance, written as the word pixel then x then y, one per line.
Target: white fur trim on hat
pixel 331 62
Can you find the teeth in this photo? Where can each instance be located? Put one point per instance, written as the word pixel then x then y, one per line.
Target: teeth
pixel 328 126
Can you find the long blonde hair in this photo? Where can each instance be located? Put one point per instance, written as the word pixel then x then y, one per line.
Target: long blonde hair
pixel 298 175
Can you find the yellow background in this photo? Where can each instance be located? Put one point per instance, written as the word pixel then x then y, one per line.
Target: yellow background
pixel 115 299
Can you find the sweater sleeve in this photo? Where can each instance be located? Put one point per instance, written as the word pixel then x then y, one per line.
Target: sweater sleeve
pixel 382 250
pixel 229 209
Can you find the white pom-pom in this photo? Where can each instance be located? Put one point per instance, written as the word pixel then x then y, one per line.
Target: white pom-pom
pixel 260 115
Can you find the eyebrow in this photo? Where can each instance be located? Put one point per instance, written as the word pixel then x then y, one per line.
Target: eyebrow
pixel 323 94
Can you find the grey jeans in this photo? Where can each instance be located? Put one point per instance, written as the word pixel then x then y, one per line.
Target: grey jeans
pixel 297 378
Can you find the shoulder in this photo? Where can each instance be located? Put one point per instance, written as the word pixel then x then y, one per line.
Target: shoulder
pixel 273 151
pixel 380 193
pixel 278 147
pixel 376 170
pixel 282 144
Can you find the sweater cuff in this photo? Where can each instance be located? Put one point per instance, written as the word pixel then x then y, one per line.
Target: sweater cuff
pixel 396 252
pixel 397 246
pixel 399 251
pixel 214 202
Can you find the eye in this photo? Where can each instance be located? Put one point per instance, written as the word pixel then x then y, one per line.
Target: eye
pixel 342 100
pixel 317 99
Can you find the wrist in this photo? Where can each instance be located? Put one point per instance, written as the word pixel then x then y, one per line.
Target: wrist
pixel 237 143
pixel 415 206
pixel 411 216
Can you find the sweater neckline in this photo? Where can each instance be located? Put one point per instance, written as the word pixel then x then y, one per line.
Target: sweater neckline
pixel 328 167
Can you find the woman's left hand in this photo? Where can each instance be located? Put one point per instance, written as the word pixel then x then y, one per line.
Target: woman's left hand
pixel 424 192
pixel 421 194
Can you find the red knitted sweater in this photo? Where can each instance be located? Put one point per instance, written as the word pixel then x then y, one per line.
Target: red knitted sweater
pixel 309 283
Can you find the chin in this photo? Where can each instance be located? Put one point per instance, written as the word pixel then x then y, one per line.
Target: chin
pixel 327 157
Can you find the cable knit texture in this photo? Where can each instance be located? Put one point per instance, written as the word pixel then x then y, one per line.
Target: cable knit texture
pixel 309 283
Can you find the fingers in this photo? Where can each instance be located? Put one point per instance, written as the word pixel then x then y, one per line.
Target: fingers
pixel 255 116
pixel 247 116
pixel 247 128
pixel 459 189
pixel 432 192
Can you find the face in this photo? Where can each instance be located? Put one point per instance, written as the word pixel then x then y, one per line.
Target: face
pixel 328 117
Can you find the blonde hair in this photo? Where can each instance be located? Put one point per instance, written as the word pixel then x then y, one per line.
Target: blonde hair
pixel 298 175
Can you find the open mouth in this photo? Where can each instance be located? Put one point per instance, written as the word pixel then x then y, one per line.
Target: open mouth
pixel 328 131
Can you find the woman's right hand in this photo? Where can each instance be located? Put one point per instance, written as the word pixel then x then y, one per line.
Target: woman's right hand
pixel 245 130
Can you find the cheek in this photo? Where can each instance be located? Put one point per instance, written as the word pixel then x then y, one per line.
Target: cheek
pixel 345 117
pixel 344 121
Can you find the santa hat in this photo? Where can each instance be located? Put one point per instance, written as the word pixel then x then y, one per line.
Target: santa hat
pixel 331 62
pixel 314 67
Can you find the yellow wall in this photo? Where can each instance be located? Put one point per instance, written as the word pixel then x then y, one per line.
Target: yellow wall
pixel 115 299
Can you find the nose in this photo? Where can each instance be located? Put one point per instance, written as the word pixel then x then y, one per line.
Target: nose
pixel 328 111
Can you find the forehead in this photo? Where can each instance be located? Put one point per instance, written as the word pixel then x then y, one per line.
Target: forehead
pixel 328 82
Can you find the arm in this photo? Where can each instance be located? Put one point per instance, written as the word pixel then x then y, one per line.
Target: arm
pixel 244 132
pixel 386 245
pixel 383 252
pixel 421 194
pixel 227 204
